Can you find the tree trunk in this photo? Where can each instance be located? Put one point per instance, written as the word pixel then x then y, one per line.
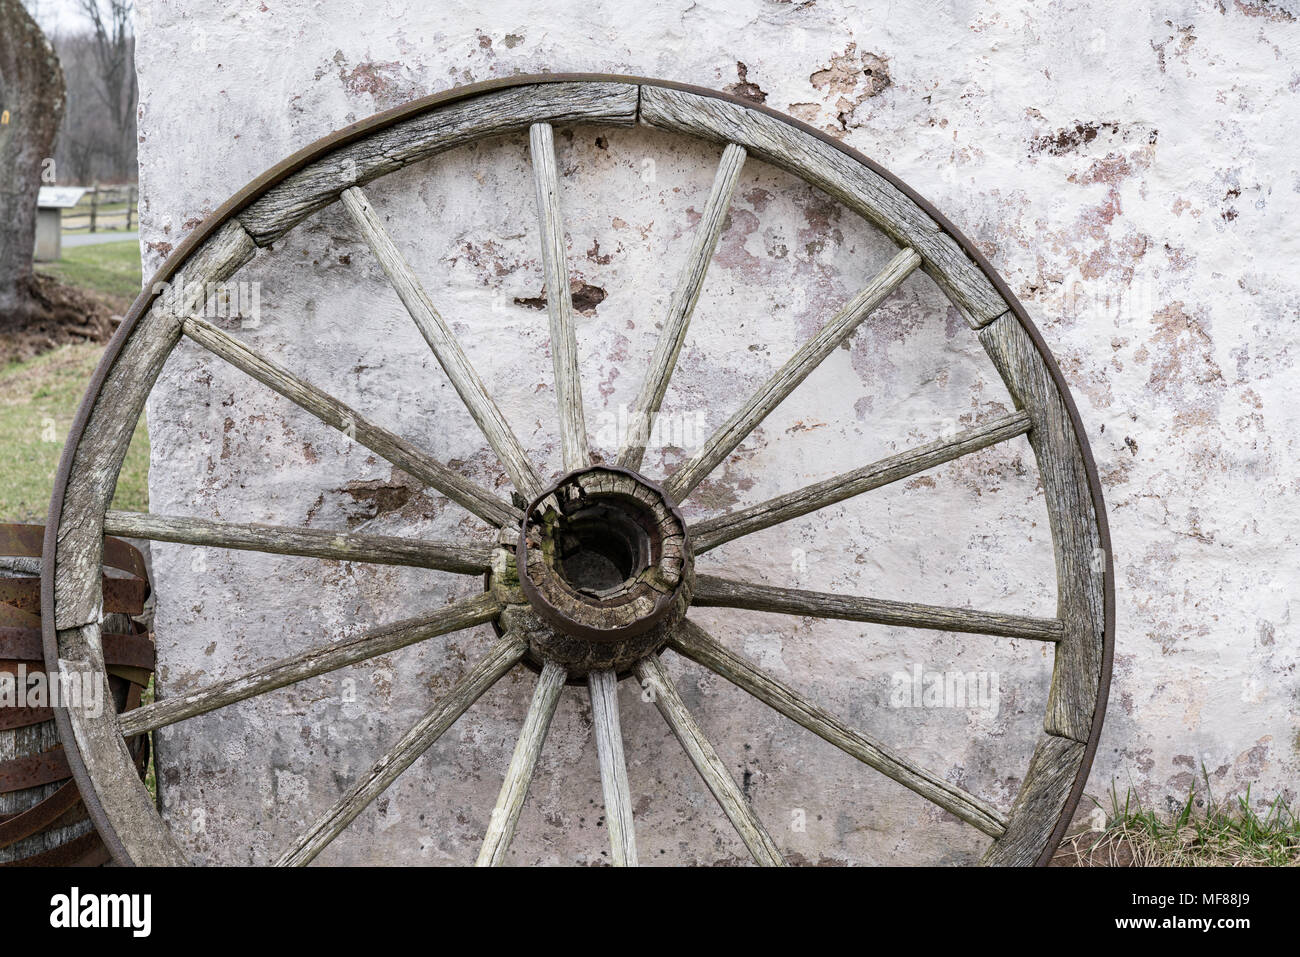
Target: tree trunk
pixel 31 105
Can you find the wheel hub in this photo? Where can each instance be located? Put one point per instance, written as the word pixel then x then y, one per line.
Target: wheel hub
pixel 604 571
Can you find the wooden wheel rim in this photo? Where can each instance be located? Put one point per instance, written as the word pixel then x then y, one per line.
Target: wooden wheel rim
pixel 118 802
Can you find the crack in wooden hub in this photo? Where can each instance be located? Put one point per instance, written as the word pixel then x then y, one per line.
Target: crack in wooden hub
pixel 605 567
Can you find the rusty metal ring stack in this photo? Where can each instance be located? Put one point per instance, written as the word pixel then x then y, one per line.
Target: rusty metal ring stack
pixel 34 770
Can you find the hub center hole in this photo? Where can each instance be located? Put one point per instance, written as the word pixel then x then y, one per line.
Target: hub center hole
pixel 601 549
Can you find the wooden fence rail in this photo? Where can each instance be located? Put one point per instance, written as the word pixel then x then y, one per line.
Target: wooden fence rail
pixel 98 210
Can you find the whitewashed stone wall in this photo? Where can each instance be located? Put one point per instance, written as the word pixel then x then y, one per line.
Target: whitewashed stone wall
pixel 1130 169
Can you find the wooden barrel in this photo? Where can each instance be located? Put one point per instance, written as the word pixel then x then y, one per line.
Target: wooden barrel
pixel 42 818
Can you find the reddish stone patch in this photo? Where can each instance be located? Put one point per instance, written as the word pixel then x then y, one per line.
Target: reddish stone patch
pixel 1069 140
pixel 585 296
pixel 853 77
pixel 743 88
pixel 378 497
pixel 851 69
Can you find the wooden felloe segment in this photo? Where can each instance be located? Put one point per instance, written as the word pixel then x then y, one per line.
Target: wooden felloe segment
pixel 505 816
pixel 316 661
pixel 353 424
pixel 559 300
pixel 602 685
pixel 128 807
pixel 1080 561
pixel 721 784
pixel 784 381
pixel 493 113
pixel 1037 808
pixel 505 654
pixel 464 558
pixel 446 347
pixel 718 592
pixel 713 532
pixel 858 187
pixel 107 434
pixel 682 307
pixel 695 643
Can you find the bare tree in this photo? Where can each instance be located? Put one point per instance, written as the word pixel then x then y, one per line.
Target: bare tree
pixel 113 45
pixel 31 105
pixel 91 147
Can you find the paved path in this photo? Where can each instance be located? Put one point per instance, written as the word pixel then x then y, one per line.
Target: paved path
pixel 94 239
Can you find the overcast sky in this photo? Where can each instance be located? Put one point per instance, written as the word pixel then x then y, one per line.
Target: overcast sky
pixel 58 16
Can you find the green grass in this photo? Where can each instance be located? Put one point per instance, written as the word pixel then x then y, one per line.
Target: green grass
pixel 111 268
pixel 38 399
pixel 1203 832
pixel 150 769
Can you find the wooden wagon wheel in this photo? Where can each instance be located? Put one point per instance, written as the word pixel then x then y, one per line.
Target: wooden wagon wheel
pixel 550 590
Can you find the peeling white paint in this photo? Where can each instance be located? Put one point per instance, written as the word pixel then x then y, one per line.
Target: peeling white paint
pixel 1133 176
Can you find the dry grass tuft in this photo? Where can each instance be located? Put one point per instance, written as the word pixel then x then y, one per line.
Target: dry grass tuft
pixel 1204 832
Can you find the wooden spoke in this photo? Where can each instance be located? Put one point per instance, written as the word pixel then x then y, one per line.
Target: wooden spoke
pixel 695 643
pixel 504 655
pixel 732 432
pixel 718 592
pixel 603 687
pixel 309 542
pixel 1082 563
pixel 505 816
pixel 723 528
pixel 682 306
pixel 316 661
pixel 721 784
pixel 445 345
pixel 559 299
pixel 352 424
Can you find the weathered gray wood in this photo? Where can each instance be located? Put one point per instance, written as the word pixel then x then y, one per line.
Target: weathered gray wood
pixel 682 307
pixel 721 784
pixel 98 456
pixel 125 801
pixel 1038 806
pixel 809 356
pixel 353 424
pixel 49 825
pixel 712 532
pixel 465 613
pixel 463 558
pixel 693 642
pixel 439 129
pixel 822 165
pixel 505 816
pixel 1080 562
pixel 602 685
pixel 503 656
pixel 446 347
pixel 559 299
pixel 714 591
pixel 19 743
